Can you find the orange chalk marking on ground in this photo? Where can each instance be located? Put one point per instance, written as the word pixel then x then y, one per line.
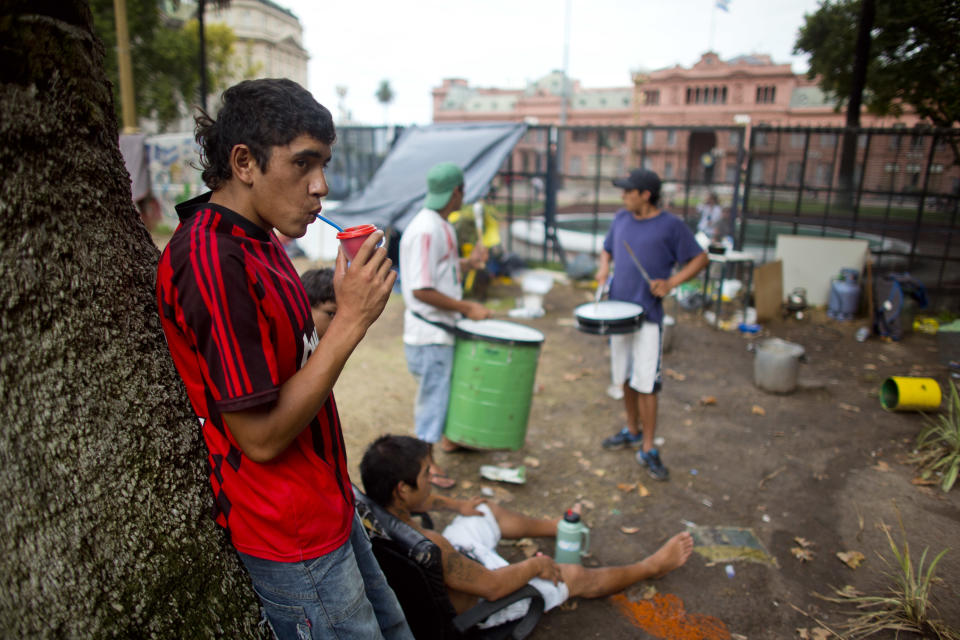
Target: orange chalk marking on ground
pixel 664 616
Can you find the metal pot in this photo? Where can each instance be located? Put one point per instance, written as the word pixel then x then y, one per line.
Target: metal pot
pixel 776 365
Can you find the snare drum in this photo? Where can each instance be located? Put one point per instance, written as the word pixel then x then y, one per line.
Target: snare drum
pixel 609 316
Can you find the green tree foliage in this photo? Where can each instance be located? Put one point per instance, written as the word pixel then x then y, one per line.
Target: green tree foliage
pixel 385 95
pixel 165 58
pixel 914 59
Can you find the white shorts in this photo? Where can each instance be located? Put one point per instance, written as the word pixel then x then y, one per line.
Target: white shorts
pixel 477 537
pixel 635 357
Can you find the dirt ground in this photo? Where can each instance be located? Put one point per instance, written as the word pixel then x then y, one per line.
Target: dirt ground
pixel 826 464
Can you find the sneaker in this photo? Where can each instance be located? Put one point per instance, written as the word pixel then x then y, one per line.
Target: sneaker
pixel 651 460
pixel 623 438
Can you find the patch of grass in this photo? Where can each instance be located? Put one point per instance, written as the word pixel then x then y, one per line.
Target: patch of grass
pixel 906 606
pixel 938 444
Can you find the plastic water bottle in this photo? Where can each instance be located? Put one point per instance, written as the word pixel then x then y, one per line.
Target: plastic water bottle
pixel 573 539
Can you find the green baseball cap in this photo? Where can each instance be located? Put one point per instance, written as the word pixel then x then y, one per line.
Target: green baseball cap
pixel 442 179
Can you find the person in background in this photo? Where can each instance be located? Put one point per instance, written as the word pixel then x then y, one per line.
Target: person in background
pixel 432 284
pixel 238 324
pixel 318 283
pixel 712 227
pixel 395 471
pixel 659 241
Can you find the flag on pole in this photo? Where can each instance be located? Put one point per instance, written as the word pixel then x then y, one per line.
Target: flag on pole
pixel 723 5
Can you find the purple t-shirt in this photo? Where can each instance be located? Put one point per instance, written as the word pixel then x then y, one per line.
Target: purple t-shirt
pixel 659 243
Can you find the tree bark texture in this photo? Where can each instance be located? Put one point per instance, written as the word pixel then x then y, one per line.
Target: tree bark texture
pixel 103 492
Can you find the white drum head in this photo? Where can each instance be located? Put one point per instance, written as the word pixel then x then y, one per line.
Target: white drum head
pixel 608 310
pixel 499 330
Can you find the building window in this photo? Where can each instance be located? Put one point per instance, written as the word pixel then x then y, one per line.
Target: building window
pixel 793 173
pixel 734 138
pixel 575 165
pixel 796 140
pixel 648 163
pixel 759 138
pixel 732 173
pixel 671 138
pixel 651 98
pixel 828 139
pixel 707 95
pixel 766 94
pixel 668 170
pixel 648 137
pixel 756 172
pixel 824 173
pixel 581 135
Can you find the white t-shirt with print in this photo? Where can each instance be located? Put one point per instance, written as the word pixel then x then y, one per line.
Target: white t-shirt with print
pixel 429 259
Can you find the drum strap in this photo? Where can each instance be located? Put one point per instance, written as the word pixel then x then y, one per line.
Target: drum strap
pixel 449 328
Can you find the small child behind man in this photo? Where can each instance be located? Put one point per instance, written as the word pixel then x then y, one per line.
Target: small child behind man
pixel 323 300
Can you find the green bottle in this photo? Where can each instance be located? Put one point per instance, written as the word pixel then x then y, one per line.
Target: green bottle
pixel 573 539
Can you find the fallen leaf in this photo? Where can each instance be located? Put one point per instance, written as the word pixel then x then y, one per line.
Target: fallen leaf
pixel 629 530
pixel 849 591
pixel 623 486
pixel 882 466
pixel 801 554
pixel 570 377
pixel 674 375
pixel 642 490
pixel 816 633
pixel 584 463
pixel 577 454
pixel 570 605
pixel 530 461
pixel 466 484
pixel 923 482
pixel 649 592
pixel 757 410
pixel 852 559
pixel 803 542
pixel 870 367
pixel 849 407
pixel 599 472
pixel 708 400
pixel 688 422
pixel 587 504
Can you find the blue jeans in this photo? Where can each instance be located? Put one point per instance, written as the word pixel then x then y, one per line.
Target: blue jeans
pixel 432 366
pixel 342 594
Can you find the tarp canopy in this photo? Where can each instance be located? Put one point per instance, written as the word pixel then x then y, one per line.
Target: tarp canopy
pixel 397 190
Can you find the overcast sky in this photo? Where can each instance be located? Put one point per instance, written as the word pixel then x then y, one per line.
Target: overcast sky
pixel 505 43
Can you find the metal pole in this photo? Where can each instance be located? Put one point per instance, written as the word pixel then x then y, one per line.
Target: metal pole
pixel 124 68
pixel 201 9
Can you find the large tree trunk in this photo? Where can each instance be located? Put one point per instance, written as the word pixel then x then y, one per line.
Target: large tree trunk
pixel 103 491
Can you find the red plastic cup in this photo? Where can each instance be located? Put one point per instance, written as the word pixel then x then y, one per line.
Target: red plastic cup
pixel 352 237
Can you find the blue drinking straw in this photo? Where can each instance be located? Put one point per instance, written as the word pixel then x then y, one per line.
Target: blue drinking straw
pixel 330 222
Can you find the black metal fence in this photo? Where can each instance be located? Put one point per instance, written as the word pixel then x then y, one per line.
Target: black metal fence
pixel 897 188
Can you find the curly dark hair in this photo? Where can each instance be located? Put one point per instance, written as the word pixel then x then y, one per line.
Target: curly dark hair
pixel 389 461
pixel 261 114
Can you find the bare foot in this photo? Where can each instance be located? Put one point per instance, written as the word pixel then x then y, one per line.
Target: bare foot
pixel 448 446
pixel 672 554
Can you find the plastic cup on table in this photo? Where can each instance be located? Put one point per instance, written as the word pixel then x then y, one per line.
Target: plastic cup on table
pixel 352 237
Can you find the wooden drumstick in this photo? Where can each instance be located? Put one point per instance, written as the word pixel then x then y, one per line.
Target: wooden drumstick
pixel 643 271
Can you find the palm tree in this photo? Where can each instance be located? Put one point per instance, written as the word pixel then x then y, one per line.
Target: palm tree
pixel 102 469
pixel 385 95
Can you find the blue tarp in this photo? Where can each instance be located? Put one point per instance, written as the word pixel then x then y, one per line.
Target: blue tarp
pixel 397 190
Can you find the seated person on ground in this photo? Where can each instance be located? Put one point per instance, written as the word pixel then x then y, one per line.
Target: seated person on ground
pixel 395 473
pixel 318 284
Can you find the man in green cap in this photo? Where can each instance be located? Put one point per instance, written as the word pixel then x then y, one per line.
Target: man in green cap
pixel 431 280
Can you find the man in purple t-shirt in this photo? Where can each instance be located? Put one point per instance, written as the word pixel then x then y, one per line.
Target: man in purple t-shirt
pixel 659 241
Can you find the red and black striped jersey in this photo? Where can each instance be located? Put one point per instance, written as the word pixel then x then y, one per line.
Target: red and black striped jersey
pixel 237 322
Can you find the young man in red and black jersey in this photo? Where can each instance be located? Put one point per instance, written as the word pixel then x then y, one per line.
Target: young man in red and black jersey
pixel 238 324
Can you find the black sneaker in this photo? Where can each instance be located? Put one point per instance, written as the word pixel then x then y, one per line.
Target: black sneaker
pixel 651 460
pixel 623 438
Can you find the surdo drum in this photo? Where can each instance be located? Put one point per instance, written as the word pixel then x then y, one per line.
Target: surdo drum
pixel 494 365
